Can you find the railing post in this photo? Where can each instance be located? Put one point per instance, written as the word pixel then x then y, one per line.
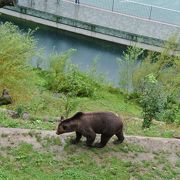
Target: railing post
pixel 113 5
pixel 31 3
pixel 150 12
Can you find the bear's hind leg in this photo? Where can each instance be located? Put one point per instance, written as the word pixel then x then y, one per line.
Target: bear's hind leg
pixel 120 138
pixel 104 140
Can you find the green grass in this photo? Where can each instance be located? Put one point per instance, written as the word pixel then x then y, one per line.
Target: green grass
pixel 25 163
pixel 131 127
pixel 157 129
pixel 19 123
pixel 109 102
pixel 78 162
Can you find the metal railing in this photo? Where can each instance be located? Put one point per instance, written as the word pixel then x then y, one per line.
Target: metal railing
pixel 132 8
pixel 88 26
pixel 128 7
pixel 37 9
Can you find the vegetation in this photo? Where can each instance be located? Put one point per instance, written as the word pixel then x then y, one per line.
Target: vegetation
pixel 63 89
pixel 65 77
pixel 128 65
pixel 131 126
pixel 78 163
pixel 153 82
pixel 148 89
pixel 15 51
pixel 157 104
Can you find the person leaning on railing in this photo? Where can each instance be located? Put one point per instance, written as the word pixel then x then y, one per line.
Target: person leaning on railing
pixel 77 1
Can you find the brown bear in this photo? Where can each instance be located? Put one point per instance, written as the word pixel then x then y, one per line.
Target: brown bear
pixel 88 124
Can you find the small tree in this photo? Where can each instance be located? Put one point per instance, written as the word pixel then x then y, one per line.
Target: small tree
pixel 127 66
pixel 68 104
pixel 164 65
pixel 152 100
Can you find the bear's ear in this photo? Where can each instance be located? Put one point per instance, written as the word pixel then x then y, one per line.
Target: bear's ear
pixel 60 119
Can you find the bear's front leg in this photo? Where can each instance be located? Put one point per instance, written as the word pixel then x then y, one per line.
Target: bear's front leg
pixel 78 137
pixel 90 136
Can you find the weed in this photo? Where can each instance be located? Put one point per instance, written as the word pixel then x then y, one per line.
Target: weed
pixel 51 141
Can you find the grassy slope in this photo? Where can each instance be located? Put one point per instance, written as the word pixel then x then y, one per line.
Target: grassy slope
pixel 107 102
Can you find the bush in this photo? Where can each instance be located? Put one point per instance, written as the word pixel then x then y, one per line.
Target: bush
pixel 152 100
pixel 127 67
pixel 16 49
pixel 156 103
pixel 171 109
pixel 165 66
pixel 65 77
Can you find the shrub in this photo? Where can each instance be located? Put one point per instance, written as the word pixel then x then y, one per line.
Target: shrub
pixel 156 103
pixel 127 66
pixel 165 66
pixel 171 109
pixel 65 77
pixel 152 100
pixel 16 48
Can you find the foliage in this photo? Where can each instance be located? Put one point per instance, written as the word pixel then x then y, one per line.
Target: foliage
pixel 165 66
pixel 171 109
pixel 5 121
pixel 152 100
pixel 68 103
pixel 16 49
pixel 127 66
pixel 156 103
pixel 163 71
pixel 20 110
pixel 78 163
pixel 65 77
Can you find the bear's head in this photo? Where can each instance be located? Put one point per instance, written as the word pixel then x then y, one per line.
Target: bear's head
pixel 64 126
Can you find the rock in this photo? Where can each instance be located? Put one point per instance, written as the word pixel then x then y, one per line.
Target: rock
pixel 25 116
pixel 13 114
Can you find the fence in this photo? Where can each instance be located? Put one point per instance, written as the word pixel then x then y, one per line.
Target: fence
pixel 119 6
pixel 53 10
pixel 136 9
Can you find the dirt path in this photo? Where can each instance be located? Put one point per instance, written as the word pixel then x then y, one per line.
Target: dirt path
pixel 159 153
pixel 14 136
